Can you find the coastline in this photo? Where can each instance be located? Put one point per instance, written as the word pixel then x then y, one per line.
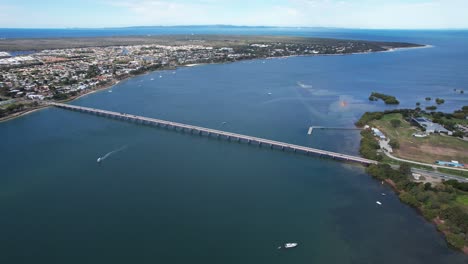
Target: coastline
pixel 410 191
pixel 104 87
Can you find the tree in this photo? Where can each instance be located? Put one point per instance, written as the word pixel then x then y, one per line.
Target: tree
pixel 456 240
pixel 459 115
pixel 428 98
pixel 405 169
pixel 418 104
pixel 394 144
pixel 395 123
pixel 409 199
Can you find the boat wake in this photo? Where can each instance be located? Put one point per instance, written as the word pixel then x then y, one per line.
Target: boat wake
pixel 100 159
pixel 303 85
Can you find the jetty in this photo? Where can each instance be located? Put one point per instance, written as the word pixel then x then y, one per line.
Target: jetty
pixel 202 131
pixel 311 129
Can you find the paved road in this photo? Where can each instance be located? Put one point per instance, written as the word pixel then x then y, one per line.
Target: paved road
pixel 440 175
pixel 424 164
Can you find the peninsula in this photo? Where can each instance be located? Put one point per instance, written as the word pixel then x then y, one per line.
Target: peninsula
pixel 424 157
pixel 60 69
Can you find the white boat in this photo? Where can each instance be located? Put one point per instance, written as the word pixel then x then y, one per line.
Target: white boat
pixel 290 245
pixel 99 159
pixel 379 203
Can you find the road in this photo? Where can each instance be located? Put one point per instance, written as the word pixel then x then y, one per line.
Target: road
pixel 423 164
pixel 442 176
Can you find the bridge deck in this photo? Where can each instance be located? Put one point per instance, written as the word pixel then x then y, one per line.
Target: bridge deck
pixel 208 131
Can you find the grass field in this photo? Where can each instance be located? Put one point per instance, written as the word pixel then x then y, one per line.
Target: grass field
pixel 462 199
pixel 428 149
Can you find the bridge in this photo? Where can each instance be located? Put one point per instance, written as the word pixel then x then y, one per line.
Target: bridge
pixel 215 133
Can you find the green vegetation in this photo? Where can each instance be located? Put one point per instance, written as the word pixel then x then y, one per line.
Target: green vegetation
pixel 442 201
pixel 448 201
pixel 428 149
pixel 395 123
pixel 431 108
pixel 454 172
pixel 367 117
pixel 369 146
pixel 462 186
pixel 428 98
pixel 93 71
pixel 15 108
pixel 394 144
pixel 462 199
pixel 388 99
pixel 439 101
pixel 60 96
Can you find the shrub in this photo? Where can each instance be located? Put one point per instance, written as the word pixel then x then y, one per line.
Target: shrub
pixel 456 240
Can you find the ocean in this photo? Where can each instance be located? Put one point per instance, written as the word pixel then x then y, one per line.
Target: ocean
pixel 170 197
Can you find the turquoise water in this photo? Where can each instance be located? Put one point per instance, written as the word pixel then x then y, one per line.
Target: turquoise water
pixel 170 197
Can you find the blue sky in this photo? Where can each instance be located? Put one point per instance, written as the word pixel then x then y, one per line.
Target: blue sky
pixel 381 14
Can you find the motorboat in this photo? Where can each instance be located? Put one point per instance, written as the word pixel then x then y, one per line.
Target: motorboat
pixel 288 245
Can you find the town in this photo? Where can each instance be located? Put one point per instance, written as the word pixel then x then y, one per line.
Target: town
pixel 64 74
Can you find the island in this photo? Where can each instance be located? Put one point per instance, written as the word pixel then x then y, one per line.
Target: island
pixel 60 69
pixel 424 157
pixel 388 99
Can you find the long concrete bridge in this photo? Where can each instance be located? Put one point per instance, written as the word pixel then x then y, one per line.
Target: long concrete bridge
pixel 215 133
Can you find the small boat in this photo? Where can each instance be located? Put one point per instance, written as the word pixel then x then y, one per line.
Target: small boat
pixel 99 160
pixel 269 93
pixel 288 245
pixel 384 194
pixel 110 91
pixel 379 203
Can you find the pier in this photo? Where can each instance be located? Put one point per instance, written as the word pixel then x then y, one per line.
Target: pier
pixel 202 131
pixel 311 129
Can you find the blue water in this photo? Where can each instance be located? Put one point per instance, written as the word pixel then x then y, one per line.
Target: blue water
pixel 169 197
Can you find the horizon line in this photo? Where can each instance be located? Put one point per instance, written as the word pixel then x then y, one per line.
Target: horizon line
pixel 231 26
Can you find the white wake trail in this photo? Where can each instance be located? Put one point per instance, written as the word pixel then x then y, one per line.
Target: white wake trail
pixel 111 153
